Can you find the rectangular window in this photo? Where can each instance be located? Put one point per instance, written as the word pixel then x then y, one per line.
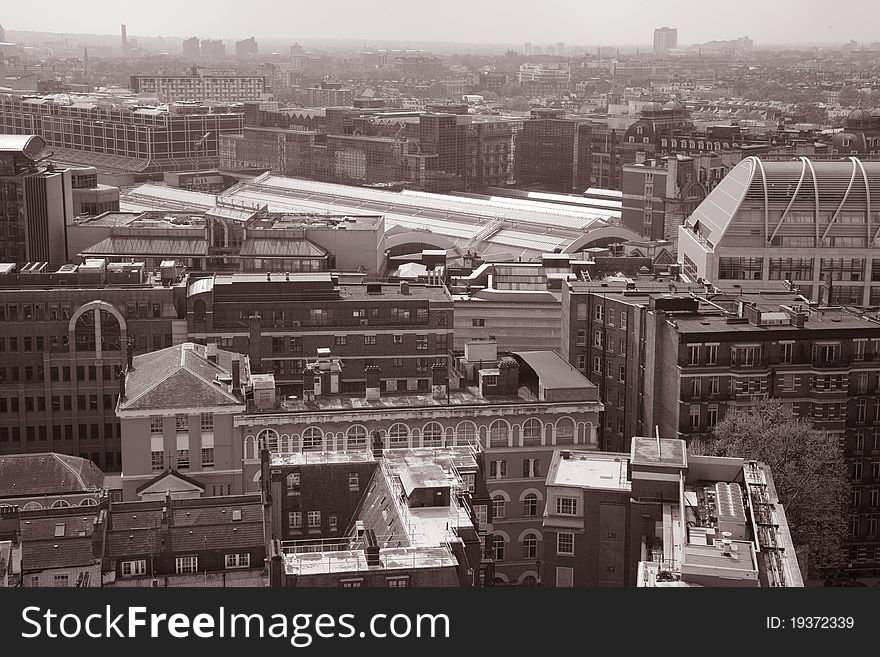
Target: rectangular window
pixel 295 519
pixel 134 568
pixel 369 339
pixel 711 354
pixel 181 423
pixel 339 340
pixel 598 312
pixel 398 338
pixel 207 421
pixel 314 518
pixel 497 469
pixel 695 417
pixel 353 481
pixel 183 458
pixel 422 342
pixel 155 425
pixel 186 565
pixel 157 461
pixel 207 457
pixel 481 511
pixel 478 322
pixel 565 543
pixel 566 506
pixel 581 337
pixel 61 581
pixel 564 577
pixel 693 354
pixel 238 560
pixel 398 582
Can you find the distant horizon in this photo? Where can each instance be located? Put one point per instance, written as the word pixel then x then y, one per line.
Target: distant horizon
pixel 376 42
pixel 578 23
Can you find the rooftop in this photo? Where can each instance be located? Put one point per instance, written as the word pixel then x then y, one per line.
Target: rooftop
pixel 665 451
pixel 47 473
pixel 181 377
pixel 354 561
pixel 554 371
pixel 588 470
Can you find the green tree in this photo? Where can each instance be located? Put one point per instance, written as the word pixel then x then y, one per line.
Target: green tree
pixel 809 472
pixel 518 103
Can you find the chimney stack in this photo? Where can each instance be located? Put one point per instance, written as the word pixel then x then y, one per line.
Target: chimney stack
pixel 404 287
pixel 373 374
pixel 211 352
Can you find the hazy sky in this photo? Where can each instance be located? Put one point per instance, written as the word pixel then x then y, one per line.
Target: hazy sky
pixel 473 21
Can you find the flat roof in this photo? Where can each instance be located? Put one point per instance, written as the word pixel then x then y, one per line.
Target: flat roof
pixel 554 372
pixel 355 561
pixel 589 470
pixel 741 557
pixel 666 451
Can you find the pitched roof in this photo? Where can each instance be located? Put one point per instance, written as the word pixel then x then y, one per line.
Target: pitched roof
pixel 47 473
pixel 66 553
pixel 180 377
pixel 189 481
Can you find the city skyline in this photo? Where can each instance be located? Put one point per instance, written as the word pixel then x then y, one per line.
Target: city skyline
pixel 586 24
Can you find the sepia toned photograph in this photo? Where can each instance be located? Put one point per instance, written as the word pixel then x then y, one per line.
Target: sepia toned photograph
pixel 465 295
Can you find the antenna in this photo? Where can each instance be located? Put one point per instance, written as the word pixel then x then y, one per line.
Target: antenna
pixel 657 433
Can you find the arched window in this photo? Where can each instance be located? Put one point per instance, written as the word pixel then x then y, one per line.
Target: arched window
pixel 499 431
pixel 268 438
pixel 530 546
pixel 32 506
pixel 466 433
pixel 111 332
pixel 60 504
pixel 432 435
pixel 639 130
pixel 88 501
pixel 498 507
pixel 313 440
pixel 398 435
pixel 356 437
pixel 84 331
pixel 564 431
pixel 531 432
pixel 530 504
pixel 498 547
pixel 529 580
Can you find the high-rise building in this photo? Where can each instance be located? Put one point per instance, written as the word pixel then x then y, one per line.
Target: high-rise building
pixel 665 38
pixel 246 47
pixel 560 48
pixel 527 49
pixel 191 48
pixel 124 39
pixel 553 152
pixel 36 202
pixel 212 49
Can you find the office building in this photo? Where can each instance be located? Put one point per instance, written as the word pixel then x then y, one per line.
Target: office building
pixel 660 516
pixel 89 196
pixel 545 78
pixel 329 94
pixel 62 343
pixel 553 152
pixel 139 140
pixel 36 202
pixel 811 223
pixel 678 359
pixel 202 86
pixel 665 39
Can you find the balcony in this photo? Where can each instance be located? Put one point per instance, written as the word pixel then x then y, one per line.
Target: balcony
pixel 839 363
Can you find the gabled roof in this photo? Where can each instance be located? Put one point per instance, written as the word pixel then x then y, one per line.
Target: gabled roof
pixel 47 473
pixel 180 377
pixel 170 480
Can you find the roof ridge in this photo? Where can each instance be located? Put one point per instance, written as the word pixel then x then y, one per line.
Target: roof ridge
pixel 210 382
pixel 153 386
pixel 76 475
